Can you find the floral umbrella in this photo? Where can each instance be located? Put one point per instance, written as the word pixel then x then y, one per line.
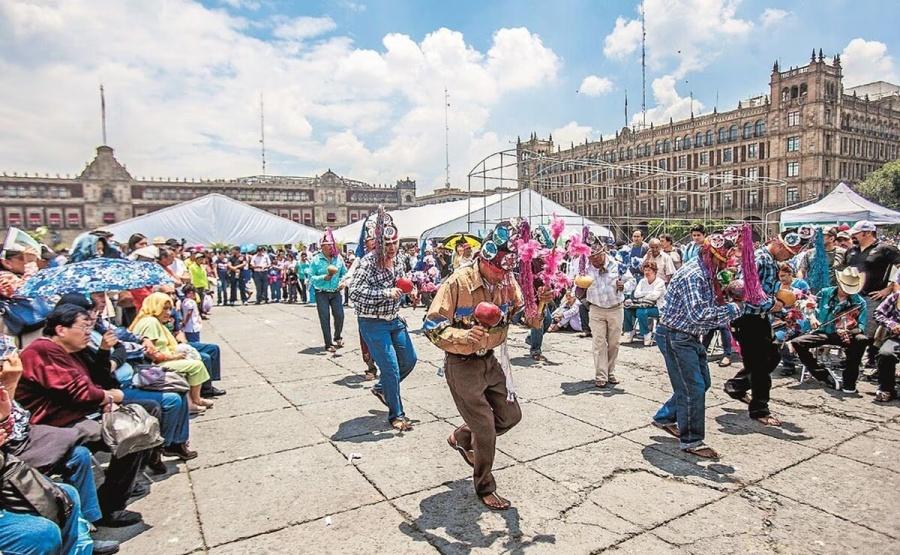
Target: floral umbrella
pixel 97 274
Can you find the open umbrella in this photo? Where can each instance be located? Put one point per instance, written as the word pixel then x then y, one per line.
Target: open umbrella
pixel 96 274
pixel 453 240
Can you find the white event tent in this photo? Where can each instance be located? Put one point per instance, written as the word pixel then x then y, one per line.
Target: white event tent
pixel 842 205
pixel 215 218
pixel 478 215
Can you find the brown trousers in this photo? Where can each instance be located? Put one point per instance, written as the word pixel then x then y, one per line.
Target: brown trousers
pixel 478 387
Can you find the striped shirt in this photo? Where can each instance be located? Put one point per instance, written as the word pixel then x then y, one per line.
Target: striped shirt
pixel 690 304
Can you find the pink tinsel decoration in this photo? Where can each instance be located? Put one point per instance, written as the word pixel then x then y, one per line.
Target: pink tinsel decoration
pixel 550 273
pixel 753 291
pixel 557 227
pixel 577 247
pixel 527 248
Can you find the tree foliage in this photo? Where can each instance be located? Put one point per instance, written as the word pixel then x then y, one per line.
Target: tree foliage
pixel 883 185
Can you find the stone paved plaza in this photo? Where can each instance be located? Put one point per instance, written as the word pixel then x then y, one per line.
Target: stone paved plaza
pixel 585 470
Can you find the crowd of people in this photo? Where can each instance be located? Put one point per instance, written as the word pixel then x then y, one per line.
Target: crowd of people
pixel 824 302
pixel 83 363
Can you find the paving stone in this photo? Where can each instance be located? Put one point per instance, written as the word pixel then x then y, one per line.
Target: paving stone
pixel 400 464
pixel 333 388
pixel 879 447
pixel 842 487
pixel 665 498
pixel 758 521
pixel 250 497
pixel 228 439
pixel 301 370
pixel 436 399
pixel 244 400
pixel 170 524
pixel 364 531
pixel 357 420
pixel 543 431
pixel 613 409
pixel 233 378
pixel 812 396
pixel 453 520
pixel 642 545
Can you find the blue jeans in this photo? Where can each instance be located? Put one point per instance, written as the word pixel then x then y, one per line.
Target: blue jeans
pixel 29 534
pixel 725 336
pixel 536 336
pixel 329 303
pixel 393 352
pixel 211 356
pixel 78 472
pixel 642 315
pixel 222 286
pixel 275 290
pixel 688 371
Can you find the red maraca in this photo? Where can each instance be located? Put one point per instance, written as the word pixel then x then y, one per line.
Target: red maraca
pixel 488 314
pixel 404 285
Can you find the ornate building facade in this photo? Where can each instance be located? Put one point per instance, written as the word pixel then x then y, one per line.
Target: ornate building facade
pixel 105 193
pixel 774 151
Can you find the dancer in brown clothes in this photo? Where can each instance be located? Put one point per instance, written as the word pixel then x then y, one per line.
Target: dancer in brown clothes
pixel 471 334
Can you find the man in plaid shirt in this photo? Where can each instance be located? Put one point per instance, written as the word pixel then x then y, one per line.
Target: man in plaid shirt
pixel 375 295
pixel 753 330
pixel 693 305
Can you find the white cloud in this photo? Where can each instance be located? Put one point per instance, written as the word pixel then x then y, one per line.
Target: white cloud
pixel 570 133
pixel 593 85
pixel 772 16
pixel 183 84
pixel 866 61
pixel 251 5
pixel 669 104
pixel 686 33
pixel 300 28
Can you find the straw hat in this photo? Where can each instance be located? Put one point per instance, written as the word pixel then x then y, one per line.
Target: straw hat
pixel 849 279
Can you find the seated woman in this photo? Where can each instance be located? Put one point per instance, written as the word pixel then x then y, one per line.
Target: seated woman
pixel 112 371
pixel 150 323
pixel 57 389
pixel 567 316
pixel 646 301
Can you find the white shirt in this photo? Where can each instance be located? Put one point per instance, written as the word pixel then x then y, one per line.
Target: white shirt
pixel 260 261
pixel 665 268
pixel 675 256
pixel 603 291
pixel 655 291
pixel 178 267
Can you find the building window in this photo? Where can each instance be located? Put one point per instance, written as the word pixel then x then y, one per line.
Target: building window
pixel 704 158
pixel 331 217
pixel 678 143
pixel 682 162
pixel 35 219
pixel 709 138
pixel 723 135
pixel 753 199
pixel 727 199
pixel 14 218
pixel 793 169
pixel 307 218
pixel 752 151
pixel 687 142
pixel 793 144
pixel 827 168
pixel 73 219
pixel 828 117
pixel 748 130
pixel 698 140
pixel 733 133
pixel 829 142
pixel 109 217
pixel 54 219
pixel 793 196
pixel 726 156
pixel 793 118
pixel 760 128
pixel 682 204
pixel 753 173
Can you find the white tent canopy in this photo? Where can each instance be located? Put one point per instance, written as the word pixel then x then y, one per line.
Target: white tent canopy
pixel 526 203
pixel 215 218
pixel 842 205
pixel 441 220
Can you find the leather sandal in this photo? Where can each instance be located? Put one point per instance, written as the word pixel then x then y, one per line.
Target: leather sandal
pixel 884 396
pixel 768 420
pixel 401 425
pixel 671 429
pixel 451 441
pixel 703 451
pixel 497 503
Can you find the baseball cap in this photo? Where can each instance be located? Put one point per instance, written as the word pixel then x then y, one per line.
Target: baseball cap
pixel 862 225
pixel 843 235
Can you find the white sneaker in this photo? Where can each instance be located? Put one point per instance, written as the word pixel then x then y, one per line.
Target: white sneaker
pixel 628 337
pixel 648 340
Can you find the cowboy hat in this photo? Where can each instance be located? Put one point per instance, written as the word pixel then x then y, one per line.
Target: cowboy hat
pixel 849 279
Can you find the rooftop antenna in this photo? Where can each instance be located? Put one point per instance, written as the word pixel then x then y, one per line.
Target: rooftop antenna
pixel 262 132
pixel 446 138
pixel 103 113
pixel 626 107
pixel 643 67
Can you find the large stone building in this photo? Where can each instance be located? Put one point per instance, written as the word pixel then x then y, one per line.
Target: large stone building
pixel 774 151
pixel 105 193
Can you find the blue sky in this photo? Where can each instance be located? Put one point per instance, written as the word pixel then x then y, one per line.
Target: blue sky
pixel 357 85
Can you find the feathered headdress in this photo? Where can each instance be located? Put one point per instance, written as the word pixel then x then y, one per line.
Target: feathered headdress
pixel 819 274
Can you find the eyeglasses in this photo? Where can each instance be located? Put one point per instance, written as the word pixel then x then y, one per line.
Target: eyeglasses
pixel 86 327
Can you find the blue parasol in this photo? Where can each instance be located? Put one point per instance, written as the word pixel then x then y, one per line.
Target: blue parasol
pixel 94 275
